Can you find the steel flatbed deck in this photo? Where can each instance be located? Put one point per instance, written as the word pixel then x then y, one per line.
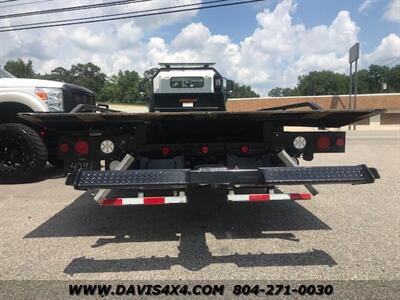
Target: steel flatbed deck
pixel 315 118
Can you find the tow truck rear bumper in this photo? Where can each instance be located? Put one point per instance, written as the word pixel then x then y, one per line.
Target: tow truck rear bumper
pixel 183 178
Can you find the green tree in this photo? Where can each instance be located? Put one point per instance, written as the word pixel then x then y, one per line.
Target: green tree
pixel 282 92
pixel 20 69
pixel 369 81
pixel 88 75
pixel 276 92
pixel 146 84
pixel 376 77
pixel 122 88
pixel 60 74
pixel 242 91
pixel 393 79
pixel 322 83
pixel 150 73
pixel 363 86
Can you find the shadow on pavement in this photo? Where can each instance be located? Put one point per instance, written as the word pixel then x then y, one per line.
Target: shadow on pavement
pixel 84 217
pixel 49 172
pixel 188 226
pixel 195 262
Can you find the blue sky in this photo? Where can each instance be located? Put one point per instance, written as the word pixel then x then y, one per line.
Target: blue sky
pixel 265 44
pixel 240 21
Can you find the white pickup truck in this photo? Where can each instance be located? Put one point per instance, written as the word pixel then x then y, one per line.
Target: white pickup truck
pixel 24 149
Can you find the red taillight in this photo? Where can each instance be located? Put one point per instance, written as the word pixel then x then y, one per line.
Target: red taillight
pixel 340 142
pixel 165 150
pixel 323 142
pixel 64 148
pixel 204 149
pixel 244 148
pixel 82 147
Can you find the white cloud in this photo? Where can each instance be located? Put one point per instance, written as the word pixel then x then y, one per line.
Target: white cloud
pixel 85 39
pixel 192 37
pixel 387 51
pixel 392 12
pixel 72 44
pixel 274 54
pixel 366 5
pixel 129 33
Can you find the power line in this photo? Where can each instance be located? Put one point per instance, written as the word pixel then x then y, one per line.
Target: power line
pixel 26 3
pixel 107 18
pixel 71 8
pixel 8 1
pixel 391 60
pixel 114 15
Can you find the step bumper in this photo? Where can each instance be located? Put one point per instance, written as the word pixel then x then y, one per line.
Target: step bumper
pixel 183 178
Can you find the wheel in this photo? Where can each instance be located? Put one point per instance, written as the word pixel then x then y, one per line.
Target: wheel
pixel 56 162
pixel 23 155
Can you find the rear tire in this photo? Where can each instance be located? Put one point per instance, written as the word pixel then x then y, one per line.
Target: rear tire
pixel 56 162
pixel 23 154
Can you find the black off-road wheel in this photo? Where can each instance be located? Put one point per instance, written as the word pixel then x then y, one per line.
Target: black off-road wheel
pixel 23 155
pixel 56 162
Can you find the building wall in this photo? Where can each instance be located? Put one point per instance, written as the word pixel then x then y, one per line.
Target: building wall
pixel 365 101
pixel 390 119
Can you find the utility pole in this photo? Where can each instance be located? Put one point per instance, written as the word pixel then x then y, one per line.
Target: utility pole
pixel 354 54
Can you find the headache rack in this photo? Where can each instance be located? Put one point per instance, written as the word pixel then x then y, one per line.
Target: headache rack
pixel 187 65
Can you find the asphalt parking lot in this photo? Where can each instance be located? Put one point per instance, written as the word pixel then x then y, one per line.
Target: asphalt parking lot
pixel 50 231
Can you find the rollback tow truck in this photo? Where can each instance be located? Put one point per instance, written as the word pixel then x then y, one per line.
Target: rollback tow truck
pixel 188 140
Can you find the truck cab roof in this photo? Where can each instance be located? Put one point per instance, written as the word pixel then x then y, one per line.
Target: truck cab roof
pixel 187 87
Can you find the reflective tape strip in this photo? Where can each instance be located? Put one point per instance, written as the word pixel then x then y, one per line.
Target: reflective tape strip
pixel 112 202
pixel 153 200
pixel 144 201
pixel 132 201
pixel 183 199
pixel 177 199
pixel 268 197
pixel 259 197
pixel 301 196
